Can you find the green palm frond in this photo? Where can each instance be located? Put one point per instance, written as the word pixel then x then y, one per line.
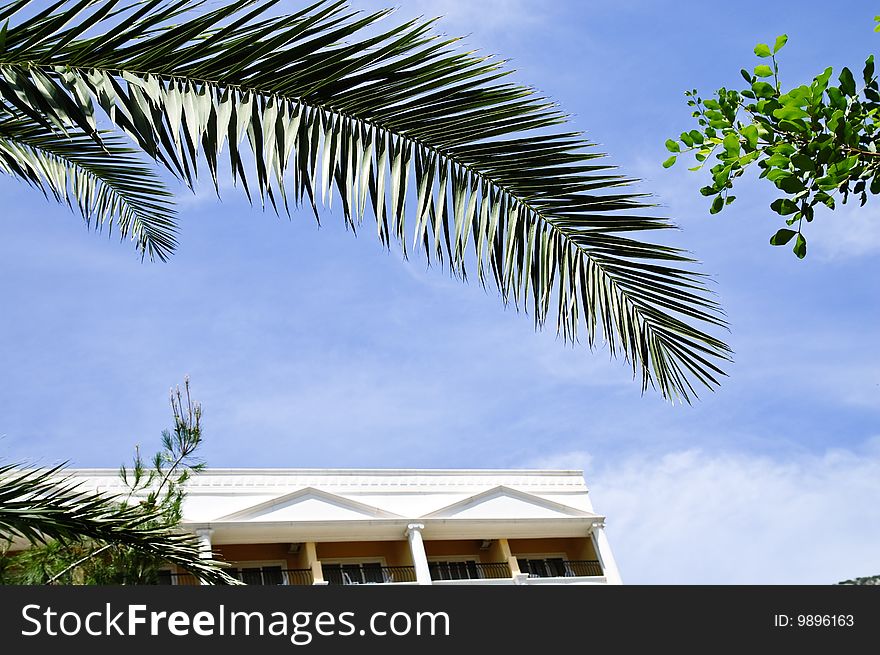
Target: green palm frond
pixel 324 104
pixel 104 180
pixel 42 504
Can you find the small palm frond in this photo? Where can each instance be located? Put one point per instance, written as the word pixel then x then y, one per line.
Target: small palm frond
pixel 324 104
pixel 104 180
pixel 43 504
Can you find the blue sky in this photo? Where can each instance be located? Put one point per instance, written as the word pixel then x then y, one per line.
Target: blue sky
pixel 311 348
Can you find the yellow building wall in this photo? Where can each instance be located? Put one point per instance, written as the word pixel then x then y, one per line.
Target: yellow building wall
pixel 395 553
pixel 469 548
pixel 577 548
pixel 241 553
pixel 453 548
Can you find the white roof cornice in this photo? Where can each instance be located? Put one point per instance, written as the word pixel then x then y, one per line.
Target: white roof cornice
pixel 360 481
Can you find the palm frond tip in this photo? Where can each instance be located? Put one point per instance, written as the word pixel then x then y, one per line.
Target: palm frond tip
pixel 105 181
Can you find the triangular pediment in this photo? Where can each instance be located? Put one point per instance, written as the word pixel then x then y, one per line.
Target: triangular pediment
pixel 308 504
pixel 506 503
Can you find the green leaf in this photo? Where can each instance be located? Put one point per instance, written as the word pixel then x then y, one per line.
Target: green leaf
pixel 825 199
pixel 847 82
pixel 750 133
pixel 669 163
pixel 789 113
pixel 763 71
pixel 821 80
pixel 777 173
pixel 721 175
pixel 764 90
pixel 782 237
pixel 790 184
pixel 3 31
pixel 696 137
pixel 784 207
pixel 731 145
pixel 763 50
pixel 867 74
pixel 672 146
pixel 780 43
pixel 803 162
pixel 793 126
pixel 748 158
pixel 784 148
pixel 800 247
pixel 717 205
pixel 842 167
pixel 827 183
pixel 686 139
pixel 800 96
pixel 838 99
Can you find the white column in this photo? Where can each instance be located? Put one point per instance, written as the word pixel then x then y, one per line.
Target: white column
pixel 417 548
pixel 204 537
pixel 603 551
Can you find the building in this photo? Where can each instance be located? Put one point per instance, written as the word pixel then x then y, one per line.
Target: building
pixel 440 527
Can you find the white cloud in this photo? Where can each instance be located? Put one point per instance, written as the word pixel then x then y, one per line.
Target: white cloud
pixel 850 231
pixel 692 517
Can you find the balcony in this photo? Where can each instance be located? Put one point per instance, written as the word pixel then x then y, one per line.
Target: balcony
pixel 468 570
pixel 368 573
pixel 560 568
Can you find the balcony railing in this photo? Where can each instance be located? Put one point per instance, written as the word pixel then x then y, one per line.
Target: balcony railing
pixel 583 568
pixel 351 574
pixel 267 577
pixel 298 577
pixel 469 570
pixel 560 568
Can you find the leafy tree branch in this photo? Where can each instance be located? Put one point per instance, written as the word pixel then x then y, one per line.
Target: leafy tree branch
pixel 816 143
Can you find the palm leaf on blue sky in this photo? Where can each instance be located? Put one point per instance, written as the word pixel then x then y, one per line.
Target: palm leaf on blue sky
pixel 329 105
